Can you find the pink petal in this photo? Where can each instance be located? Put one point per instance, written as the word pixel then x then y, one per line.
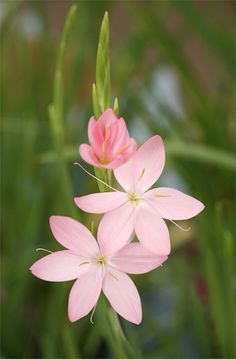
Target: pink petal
pixel 101 202
pixel 107 118
pixel 117 162
pixel 88 155
pixel 173 204
pixel 134 258
pixel 130 150
pixel 151 230
pixel 118 137
pixel 115 228
pixel 126 174
pixel 144 168
pixel 123 295
pixel 85 293
pixel 59 266
pixel 95 137
pixel 123 156
pixel 73 235
pixel 91 127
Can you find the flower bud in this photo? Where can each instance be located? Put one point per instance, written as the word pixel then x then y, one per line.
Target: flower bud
pixel 110 143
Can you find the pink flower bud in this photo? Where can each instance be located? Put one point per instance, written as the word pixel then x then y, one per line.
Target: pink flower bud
pixel 110 143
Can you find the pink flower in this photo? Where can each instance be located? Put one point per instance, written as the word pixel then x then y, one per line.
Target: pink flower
pixel 85 260
pixel 138 208
pixel 110 144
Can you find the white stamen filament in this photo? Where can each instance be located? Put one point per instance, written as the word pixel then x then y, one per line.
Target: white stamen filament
pixel 98 179
pixel 177 225
pixel 43 249
pixel 91 316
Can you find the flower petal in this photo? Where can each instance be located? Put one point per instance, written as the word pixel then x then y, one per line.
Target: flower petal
pixel 123 295
pixel 118 137
pixel 151 230
pixel 101 202
pixel 124 156
pixel 134 258
pixel 130 149
pixel 173 204
pixel 59 267
pixel 85 293
pixel 73 235
pixel 107 118
pixel 144 168
pixel 115 228
pixel 88 155
pixel 95 137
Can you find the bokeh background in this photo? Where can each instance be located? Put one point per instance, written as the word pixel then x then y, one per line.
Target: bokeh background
pixel 173 71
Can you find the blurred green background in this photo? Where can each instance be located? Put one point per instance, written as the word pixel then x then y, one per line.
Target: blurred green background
pixel 173 70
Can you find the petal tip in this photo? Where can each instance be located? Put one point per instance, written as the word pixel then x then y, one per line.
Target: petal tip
pixel 72 318
pixel 76 201
pixel 137 320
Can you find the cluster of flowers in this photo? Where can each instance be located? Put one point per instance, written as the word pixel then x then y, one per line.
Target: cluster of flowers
pixel 136 210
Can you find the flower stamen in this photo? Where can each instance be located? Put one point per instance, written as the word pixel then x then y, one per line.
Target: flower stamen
pixel 133 197
pixel 113 276
pixel 85 262
pixel 98 179
pixel 43 249
pixel 143 171
pixel 177 225
pixel 101 260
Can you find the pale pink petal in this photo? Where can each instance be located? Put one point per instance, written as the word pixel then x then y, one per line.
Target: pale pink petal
pixel 118 138
pixel 88 155
pixel 151 229
pixel 126 174
pixel 73 235
pixel 124 156
pixel 101 202
pixel 85 293
pixel 112 141
pixel 60 266
pixel 134 258
pixel 130 150
pixel 123 295
pixel 95 137
pixel 173 204
pixel 91 127
pixel 115 228
pixel 107 117
pixel 117 162
pixel 144 168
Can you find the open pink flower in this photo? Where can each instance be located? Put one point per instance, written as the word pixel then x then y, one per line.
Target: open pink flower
pixel 110 144
pixel 85 260
pixel 140 209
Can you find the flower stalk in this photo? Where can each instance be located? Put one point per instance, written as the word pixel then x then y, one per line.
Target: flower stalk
pixel 101 102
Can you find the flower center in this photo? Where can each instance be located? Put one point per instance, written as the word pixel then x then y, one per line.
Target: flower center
pixel 101 260
pixel 134 198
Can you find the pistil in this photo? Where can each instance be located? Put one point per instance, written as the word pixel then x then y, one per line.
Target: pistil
pixel 134 198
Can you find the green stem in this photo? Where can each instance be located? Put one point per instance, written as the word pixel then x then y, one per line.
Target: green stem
pixel 101 101
pixel 102 174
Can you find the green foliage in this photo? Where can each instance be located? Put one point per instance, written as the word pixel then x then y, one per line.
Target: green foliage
pixel 103 84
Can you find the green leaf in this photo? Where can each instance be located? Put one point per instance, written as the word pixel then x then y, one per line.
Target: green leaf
pixel 96 107
pixel 116 107
pixel 203 154
pixel 103 66
pixel 56 114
